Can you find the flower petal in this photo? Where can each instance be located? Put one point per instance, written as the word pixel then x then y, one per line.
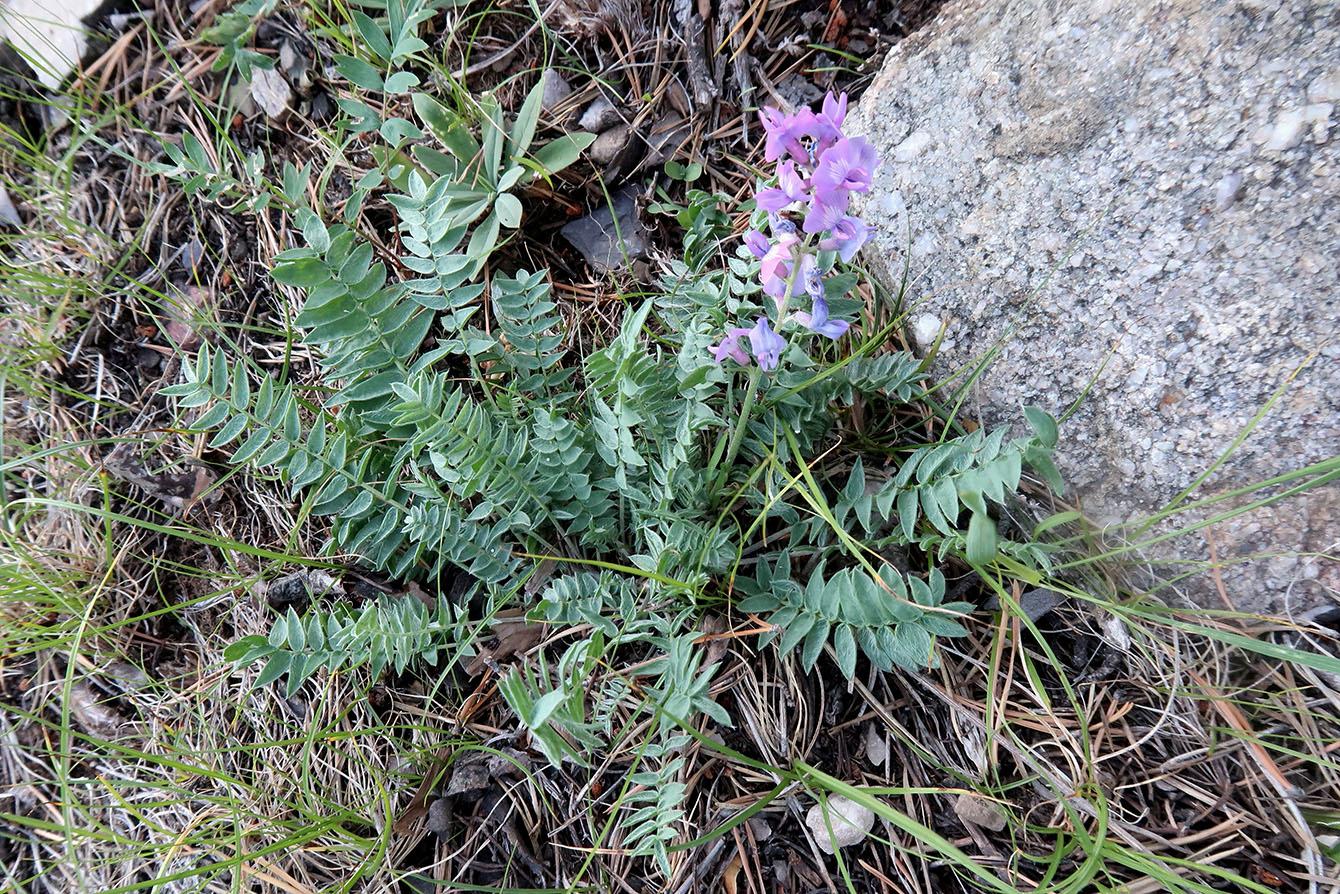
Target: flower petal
pixel 846 238
pixel 730 347
pixel 766 344
pixel 756 242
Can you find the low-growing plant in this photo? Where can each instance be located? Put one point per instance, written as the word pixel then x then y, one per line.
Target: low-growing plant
pixel 673 469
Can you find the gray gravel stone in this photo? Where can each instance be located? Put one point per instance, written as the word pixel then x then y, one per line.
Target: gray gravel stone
pixel 1150 185
pixel 599 115
pixel 609 144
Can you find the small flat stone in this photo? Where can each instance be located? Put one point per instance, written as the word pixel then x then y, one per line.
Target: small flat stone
pixel 876 746
pixel 667 135
pixel 439 816
pixel 470 777
pixel 556 89
pixel 609 144
pixel 600 115
pixel 291 590
pixel 1036 603
pixel 50 34
pixel 980 812
pixel 600 243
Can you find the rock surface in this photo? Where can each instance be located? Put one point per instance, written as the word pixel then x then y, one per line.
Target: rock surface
pixel 1154 185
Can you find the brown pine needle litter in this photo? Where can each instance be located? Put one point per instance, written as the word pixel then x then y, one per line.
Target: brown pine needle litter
pixel 1127 746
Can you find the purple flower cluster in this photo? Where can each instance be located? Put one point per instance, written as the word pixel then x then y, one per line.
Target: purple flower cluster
pixel 817 171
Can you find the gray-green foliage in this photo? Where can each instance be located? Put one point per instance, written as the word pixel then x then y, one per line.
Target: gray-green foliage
pixel 428 440
pixel 653 809
pixel 891 620
pixel 189 164
pixel 233 29
pixel 384 633
pixel 937 483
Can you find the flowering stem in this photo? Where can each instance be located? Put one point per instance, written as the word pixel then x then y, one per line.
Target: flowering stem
pixel 737 434
pixel 747 405
pixel 797 255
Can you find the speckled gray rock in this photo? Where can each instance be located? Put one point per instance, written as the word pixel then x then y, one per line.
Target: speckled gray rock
pixel 1157 185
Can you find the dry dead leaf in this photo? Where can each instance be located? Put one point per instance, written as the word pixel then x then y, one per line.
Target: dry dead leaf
pixel 92 714
pixel 712 627
pixel 418 805
pixel 515 636
pixel 180 490
pixel 180 328
pixel 8 213
pixel 730 875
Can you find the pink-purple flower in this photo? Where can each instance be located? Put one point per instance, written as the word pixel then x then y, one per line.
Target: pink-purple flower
pixel 730 347
pixel 791 187
pixel 824 215
pixel 817 321
pixel 757 243
pixel 845 168
pixel 818 168
pixel 766 345
pixel 846 237
pixel 834 111
pixel 776 267
pixel 803 135
pixel 784 134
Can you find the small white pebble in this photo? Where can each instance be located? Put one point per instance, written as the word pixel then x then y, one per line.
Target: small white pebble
pixel 891 203
pixel 1324 88
pixel 1287 132
pixel 850 823
pixel 1226 191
